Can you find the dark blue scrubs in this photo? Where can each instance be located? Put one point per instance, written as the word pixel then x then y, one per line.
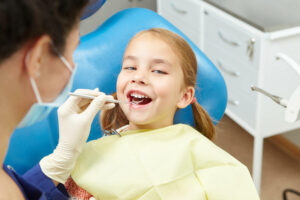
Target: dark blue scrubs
pixel 35 185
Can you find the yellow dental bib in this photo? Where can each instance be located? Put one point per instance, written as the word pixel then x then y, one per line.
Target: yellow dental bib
pixel 171 163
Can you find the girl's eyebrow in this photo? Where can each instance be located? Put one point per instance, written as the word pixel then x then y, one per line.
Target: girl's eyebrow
pixel 154 61
pixel 130 58
pixel 161 61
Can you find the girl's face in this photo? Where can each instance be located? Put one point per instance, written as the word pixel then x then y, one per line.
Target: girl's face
pixel 152 78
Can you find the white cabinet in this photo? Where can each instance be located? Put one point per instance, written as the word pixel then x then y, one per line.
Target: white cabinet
pixel 235 52
pixel 111 7
pixel 278 77
pixel 250 47
pixel 248 56
pixel 185 15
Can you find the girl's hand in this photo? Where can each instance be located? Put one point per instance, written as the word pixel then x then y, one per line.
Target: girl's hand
pixel 75 117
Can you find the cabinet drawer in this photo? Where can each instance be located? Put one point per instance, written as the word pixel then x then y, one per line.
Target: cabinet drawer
pixel 236 73
pixel 185 12
pixel 243 105
pixel 192 34
pixel 231 38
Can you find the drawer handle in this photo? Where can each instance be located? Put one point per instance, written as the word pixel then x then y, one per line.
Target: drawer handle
pixel 250 48
pixel 228 71
pixel 289 61
pixel 178 10
pixel 233 102
pixel 228 41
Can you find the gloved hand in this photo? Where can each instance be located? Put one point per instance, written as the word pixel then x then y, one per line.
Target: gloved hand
pixel 75 117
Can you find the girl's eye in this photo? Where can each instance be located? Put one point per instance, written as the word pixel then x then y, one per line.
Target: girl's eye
pixel 159 72
pixel 130 68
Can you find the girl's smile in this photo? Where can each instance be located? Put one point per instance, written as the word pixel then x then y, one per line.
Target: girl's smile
pixel 138 98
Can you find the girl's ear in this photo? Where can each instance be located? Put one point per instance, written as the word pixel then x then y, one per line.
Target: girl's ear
pixel 186 97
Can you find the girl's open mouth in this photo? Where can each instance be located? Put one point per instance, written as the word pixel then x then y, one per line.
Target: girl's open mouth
pixel 136 98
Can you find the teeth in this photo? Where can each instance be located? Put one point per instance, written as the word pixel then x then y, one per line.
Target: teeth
pixel 138 95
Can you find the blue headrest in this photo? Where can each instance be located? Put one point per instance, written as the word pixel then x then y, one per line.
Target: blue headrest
pixel 99 58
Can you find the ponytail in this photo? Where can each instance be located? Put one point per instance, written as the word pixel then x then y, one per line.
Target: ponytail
pixel 113 118
pixel 202 120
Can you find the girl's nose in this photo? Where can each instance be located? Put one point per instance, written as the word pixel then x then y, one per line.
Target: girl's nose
pixel 140 78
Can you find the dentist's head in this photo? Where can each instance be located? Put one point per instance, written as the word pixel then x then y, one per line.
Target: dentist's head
pixel 37 40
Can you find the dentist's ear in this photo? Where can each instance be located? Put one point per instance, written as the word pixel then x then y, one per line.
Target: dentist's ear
pixel 37 55
pixel 186 97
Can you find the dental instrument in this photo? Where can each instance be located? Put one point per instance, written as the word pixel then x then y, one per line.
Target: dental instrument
pixel 292 111
pixel 92 97
pixel 279 100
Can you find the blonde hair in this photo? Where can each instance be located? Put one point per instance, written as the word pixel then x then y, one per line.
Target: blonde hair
pixel 115 118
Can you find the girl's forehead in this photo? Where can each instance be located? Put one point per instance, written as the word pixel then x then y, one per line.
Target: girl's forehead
pixel 150 44
pixel 148 38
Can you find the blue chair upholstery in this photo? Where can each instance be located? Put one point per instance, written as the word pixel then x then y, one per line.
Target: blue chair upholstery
pixel 99 59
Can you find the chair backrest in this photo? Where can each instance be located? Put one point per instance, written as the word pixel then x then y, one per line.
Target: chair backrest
pixel 99 59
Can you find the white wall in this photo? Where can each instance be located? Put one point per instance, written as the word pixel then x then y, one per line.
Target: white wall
pixel 109 8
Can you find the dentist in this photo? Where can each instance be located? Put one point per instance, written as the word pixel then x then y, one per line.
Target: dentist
pixel 37 40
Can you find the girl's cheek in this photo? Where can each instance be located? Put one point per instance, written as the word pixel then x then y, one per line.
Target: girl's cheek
pixel 121 86
pixel 162 90
pixel 120 80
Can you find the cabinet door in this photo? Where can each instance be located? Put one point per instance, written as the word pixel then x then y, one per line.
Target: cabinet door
pixel 231 37
pixel 281 61
pixel 109 8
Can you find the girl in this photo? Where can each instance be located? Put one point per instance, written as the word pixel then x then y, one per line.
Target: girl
pixel 150 158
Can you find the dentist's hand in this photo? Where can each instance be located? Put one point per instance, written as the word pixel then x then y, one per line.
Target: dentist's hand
pixel 75 117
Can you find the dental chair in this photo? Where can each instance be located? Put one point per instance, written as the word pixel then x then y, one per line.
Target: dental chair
pixel 99 60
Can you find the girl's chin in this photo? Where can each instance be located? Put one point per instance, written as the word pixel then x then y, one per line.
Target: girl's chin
pixel 138 121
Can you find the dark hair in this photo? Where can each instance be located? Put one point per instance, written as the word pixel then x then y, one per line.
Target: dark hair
pixel 25 20
pixel 115 118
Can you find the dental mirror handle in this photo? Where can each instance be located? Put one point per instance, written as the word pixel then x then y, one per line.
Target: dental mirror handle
pixel 92 97
pixel 279 100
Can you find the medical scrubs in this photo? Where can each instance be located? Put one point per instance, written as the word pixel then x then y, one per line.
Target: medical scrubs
pixel 172 163
pixel 35 185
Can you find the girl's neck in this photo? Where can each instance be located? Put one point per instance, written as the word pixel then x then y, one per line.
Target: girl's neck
pixel 133 126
